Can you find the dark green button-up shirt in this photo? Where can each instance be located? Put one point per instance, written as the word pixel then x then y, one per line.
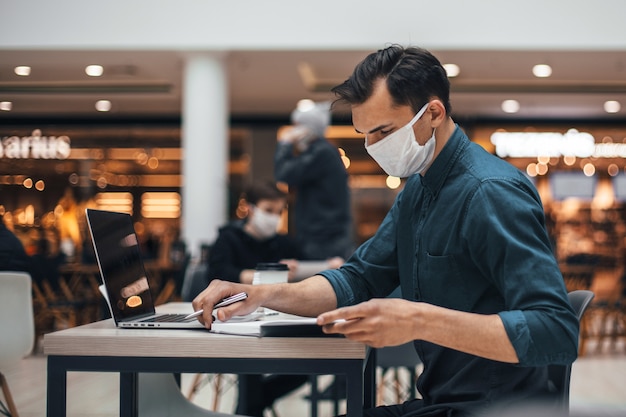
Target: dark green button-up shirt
pixel 469 235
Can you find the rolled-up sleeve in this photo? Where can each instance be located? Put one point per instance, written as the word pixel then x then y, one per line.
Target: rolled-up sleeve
pixel 538 318
pixel 372 271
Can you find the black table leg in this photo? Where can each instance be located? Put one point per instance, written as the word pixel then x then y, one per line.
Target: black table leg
pixel 315 395
pixel 369 381
pixel 56 388
pixel 128 394
pixel 354 391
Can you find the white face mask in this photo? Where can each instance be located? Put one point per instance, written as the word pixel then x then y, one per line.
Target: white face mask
pixel 264 224
pixel 399 154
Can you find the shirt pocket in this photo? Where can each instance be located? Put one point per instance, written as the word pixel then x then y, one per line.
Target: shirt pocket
pixel 442 283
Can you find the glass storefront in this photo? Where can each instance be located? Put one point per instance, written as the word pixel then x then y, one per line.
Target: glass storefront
pixel 580 173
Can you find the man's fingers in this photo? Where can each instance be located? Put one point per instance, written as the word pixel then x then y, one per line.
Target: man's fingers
pixel 345 313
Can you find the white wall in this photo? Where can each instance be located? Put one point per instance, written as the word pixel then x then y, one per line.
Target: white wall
pixel 319 24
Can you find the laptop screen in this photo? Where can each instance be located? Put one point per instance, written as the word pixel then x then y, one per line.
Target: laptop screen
pixel 117 251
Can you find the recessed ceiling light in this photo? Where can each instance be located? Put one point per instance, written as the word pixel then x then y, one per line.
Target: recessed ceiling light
pixel 510 106
pixel 103 105
pixel 94 70
pixel 452 70
pixel 612 106
pixel 22 71
pixel 6 105
pixel 542 70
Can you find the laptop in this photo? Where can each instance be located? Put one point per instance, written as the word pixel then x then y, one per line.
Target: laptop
pixel 124 279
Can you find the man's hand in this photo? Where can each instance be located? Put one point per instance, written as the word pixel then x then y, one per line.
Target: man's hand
pixel 384 322
pixel 295 134
pixel 292 264
pixel 335 262
pixel 378 322
pixel 219 290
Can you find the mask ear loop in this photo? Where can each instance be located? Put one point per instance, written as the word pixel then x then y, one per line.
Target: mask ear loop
pixel 419 114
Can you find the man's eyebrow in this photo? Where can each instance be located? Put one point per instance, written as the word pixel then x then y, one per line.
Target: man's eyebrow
pixel 376 129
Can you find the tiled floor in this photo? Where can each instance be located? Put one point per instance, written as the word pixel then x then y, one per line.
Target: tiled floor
pixel 598 383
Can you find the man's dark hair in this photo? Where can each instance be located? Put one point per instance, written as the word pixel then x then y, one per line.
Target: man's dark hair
pixel 413 76
pixel 262 190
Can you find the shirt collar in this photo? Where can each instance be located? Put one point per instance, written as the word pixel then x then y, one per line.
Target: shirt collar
pixel 435 177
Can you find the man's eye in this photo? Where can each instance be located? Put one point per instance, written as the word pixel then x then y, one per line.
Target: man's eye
pixel 385 132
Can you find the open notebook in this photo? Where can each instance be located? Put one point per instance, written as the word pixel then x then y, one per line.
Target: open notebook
pixel 280 325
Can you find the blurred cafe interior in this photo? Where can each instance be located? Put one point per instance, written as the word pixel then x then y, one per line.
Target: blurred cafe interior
pixel 109 128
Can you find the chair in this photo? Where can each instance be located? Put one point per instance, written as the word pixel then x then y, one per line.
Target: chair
pixel 560 375
pixel 49 313
pixel 220 383
pixel 159 396
pixel 17 326
pixel 195 281
pixel 390 360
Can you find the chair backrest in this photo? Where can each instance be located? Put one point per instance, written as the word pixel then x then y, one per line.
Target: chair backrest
pixel 397 356
pixel 559 375
pixel 195 281
pixel 159 396
pixel 17 325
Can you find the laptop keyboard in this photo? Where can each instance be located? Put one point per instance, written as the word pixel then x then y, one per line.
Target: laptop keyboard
pixel 168 318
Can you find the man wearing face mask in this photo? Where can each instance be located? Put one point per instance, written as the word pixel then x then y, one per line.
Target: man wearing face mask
pixel 313 169
pixel 240 246
pixel 243 244
pixel 484 301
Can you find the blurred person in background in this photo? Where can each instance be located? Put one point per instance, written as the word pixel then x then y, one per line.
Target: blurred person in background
pixel 69 229
pixel 312 166
pixel 13 257
pixel 45 264
pixel 239 247
pixel 242 244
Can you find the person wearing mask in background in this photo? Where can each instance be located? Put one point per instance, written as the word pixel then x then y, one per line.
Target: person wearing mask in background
pixel 239 247
pixel 242 244
pixel 312 166
pixel 13 257
pixel 484 301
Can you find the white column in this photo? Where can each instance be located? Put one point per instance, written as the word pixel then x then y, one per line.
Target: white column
pixel 205 138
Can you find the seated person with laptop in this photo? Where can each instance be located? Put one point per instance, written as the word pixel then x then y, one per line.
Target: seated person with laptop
pixel 483 299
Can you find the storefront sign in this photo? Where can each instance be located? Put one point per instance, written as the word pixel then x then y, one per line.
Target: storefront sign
pixel 35 146
pixel 535 144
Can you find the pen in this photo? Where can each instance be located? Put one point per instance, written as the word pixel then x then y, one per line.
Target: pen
pixel 226 301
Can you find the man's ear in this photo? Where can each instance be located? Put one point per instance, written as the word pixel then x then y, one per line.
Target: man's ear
pixel 437 112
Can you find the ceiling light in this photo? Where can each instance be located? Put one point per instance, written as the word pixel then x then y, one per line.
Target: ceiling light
pixel 6 105
pixel 612 106
pixel 22 70
pixel 103 105
pixel 452 70
pixel 510 106
pixel 94 70
pixel 542 70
